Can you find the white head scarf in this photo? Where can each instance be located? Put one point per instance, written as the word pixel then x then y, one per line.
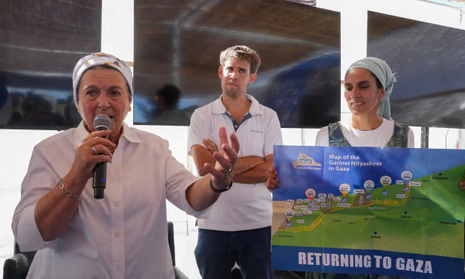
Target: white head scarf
pixel 384 74
pixel 99 59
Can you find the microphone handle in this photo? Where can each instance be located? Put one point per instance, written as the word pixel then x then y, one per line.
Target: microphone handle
pixel 100 180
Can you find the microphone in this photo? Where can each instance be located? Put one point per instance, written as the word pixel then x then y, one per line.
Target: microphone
pixel 101 122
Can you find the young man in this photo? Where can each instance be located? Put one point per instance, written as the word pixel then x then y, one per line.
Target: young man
pixel 238 229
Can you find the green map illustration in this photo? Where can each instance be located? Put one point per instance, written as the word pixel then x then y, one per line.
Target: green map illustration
pixel 421 216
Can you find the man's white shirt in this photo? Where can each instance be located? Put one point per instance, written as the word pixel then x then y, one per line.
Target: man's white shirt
pixel 245 206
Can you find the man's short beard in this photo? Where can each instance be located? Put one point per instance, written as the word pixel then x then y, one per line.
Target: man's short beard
pixel 234 95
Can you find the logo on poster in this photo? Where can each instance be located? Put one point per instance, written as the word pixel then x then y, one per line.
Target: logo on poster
pixel 305 162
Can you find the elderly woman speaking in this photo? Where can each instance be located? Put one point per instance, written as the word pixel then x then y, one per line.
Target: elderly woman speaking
pixel 123 235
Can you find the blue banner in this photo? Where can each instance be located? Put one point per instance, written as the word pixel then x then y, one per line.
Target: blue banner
pixel 331 260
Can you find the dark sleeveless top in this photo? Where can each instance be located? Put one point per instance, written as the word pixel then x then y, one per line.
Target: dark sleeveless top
pixel 398 139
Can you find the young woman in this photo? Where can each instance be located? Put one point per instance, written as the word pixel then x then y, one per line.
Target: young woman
pixel 368 85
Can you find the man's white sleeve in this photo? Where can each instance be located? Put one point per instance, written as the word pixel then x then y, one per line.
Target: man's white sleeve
pixel 198 130
pixel 272 135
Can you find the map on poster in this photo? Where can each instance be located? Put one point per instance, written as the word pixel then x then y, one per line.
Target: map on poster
pixel 388 211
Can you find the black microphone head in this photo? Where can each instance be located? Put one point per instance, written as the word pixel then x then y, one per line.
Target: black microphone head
pixel 102 122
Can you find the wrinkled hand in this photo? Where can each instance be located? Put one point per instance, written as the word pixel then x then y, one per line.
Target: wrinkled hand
pixel 86 158
pixel 221 174
pixel 273 182
pixel 211 146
